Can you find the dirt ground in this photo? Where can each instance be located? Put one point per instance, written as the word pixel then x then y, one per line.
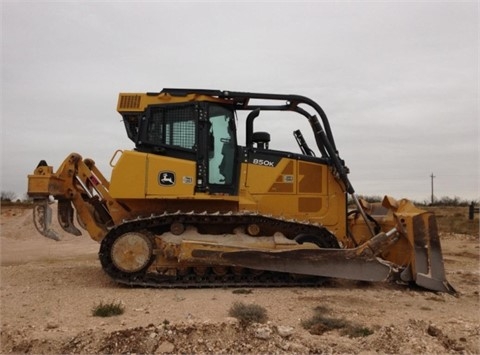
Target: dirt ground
pixel 49 288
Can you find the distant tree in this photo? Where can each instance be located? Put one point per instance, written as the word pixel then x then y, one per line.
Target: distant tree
pixel 27 198
pixel 370 199
pixel 7 196
pixel 451 201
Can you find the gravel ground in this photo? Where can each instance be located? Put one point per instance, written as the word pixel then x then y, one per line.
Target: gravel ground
pixel 49 288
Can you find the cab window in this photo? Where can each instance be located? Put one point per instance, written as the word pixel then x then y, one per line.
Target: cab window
pixel 174 127
pixel 221 146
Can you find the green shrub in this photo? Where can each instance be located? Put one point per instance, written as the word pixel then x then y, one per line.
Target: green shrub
pixel 248 313
pixel 108 309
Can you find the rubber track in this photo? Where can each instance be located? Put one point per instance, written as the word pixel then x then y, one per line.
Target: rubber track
pixel 158 224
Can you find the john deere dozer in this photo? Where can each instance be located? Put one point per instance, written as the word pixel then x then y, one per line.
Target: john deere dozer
pixel 190 207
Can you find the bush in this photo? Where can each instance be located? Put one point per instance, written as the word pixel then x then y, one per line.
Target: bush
pixel 165 323
pixel 7 196
pixel 108 309
pixel 320 323
pixel 441 201
pixel 248 313
pixel 452 219
pixel 370 199
pixel 357 331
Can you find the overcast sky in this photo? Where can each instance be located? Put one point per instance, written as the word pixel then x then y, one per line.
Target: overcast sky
pixel 398 80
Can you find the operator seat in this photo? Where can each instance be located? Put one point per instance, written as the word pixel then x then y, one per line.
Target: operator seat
pixel 261 139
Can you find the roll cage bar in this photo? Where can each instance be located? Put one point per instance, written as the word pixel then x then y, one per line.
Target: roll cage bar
pixel 241 100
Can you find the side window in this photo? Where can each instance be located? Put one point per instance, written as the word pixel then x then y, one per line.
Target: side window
pixel 172 126
pixel 221 147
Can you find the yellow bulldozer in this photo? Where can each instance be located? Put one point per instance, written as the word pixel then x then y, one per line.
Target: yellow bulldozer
pixel 191 207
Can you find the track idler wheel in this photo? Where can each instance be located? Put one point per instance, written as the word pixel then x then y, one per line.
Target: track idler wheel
pixel 132 252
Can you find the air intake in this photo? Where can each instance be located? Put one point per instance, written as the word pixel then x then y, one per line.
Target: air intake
pixel 129 102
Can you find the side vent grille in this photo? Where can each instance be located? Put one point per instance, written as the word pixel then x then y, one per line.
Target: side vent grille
pixel 129 102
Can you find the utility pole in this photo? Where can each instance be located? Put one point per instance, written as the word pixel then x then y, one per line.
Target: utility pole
pixel 432 176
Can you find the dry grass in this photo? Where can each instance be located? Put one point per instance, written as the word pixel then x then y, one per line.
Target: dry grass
pixel 108 309
pixel 455 220
pixel 248 313
pixel 322 322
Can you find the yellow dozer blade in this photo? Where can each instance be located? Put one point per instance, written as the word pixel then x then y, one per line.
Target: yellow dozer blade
pixel 418 251
pixel 426 267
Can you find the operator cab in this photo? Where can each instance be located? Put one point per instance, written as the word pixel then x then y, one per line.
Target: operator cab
pixel 203 132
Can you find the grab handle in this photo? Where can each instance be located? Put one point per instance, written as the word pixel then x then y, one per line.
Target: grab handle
pixel 114 156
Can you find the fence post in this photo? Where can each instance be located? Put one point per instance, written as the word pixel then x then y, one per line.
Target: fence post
pixel 471 210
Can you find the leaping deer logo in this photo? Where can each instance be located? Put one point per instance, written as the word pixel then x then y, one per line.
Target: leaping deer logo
pixel 166 178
